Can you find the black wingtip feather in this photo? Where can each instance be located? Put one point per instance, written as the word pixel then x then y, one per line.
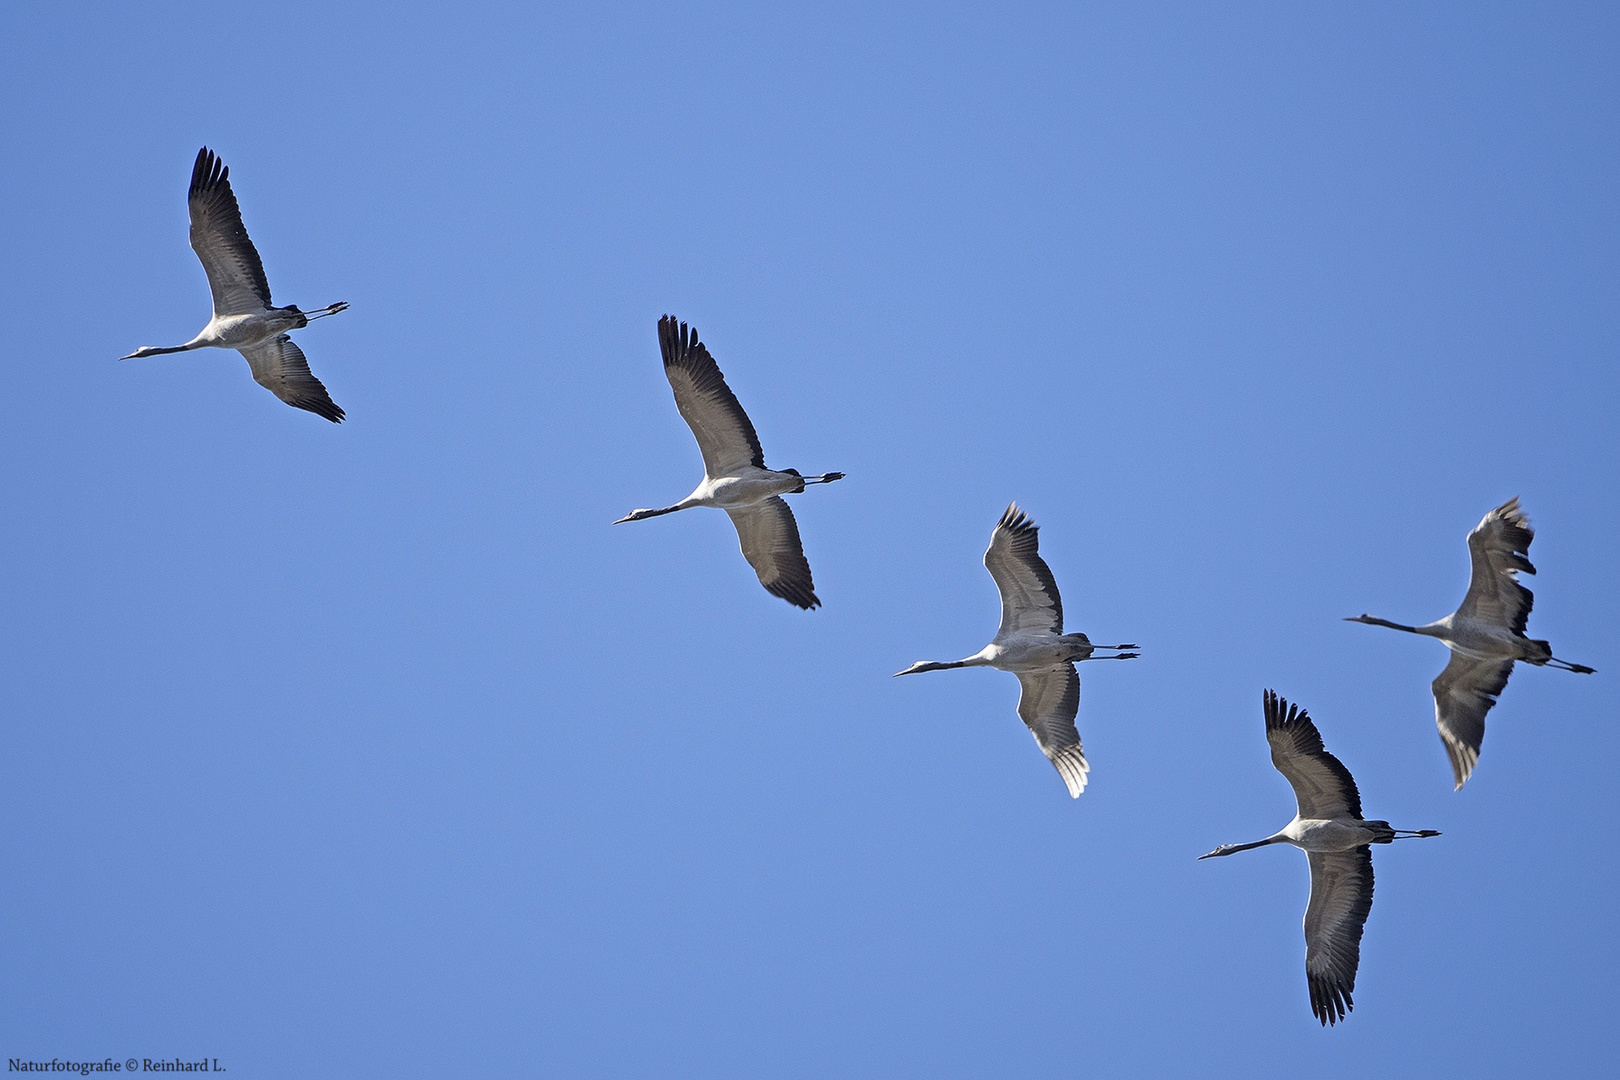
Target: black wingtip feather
pixel 1017 522
pixel 794 593
pixel 208 172
pixel 676 340
pixel 1330 1002
pixel 1298 725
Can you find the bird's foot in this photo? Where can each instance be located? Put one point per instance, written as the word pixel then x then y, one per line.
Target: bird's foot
pixel 329 309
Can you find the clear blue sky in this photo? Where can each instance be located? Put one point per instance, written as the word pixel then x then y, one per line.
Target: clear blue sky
pixel 374 750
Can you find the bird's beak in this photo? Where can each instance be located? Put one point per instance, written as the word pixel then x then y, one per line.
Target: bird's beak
pixel 1218 851
pixel 631 516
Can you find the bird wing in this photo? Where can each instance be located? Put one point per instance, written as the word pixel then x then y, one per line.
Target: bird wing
pixel 1341 897
pixel 1321 783
pixel 1029 593
pixel 279 366
pixel 724 434
pixel 1048 705
pixel 770 542
pixel 1463 694
pixel 235 274
pixel 1499 547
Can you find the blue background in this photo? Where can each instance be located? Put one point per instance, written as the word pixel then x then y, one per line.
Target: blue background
pixel 373 750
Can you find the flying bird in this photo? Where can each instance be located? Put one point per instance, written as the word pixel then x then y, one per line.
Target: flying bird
pixel 244 318
pixel 735 478
pixel 1485 635
pixel 1032 645
pixel 1331 832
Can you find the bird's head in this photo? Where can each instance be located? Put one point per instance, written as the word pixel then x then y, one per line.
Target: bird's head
pixel 1224 849
pixel 144 350
pixel 1370 620
pixel 634 515
pixel 921 665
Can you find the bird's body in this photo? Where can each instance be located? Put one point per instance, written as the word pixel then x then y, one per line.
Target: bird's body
pixel 735 478
pixel 1486 635
pixel 1329 828
pixel 1031 644
pixel 244 319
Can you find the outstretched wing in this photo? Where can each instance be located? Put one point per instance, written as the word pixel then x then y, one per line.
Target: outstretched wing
pixel 1321 783
pixel 1498 548
pixel 770 542
pixel 1029 593
pixel 1463 694
pixel 235 274
pixel 1048 705
pixel 724 434
pixel 1341 897
pixel 279 366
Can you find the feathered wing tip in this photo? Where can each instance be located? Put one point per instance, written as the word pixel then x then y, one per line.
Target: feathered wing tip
pixel 1509 532
pixel 1070 763
pixel 1280 714
pixel 1320 781
pixel 800 594
pixel 675 340
pixel 1018 523
pixel 1023 538
pixel 207 173
pixel 1331 999
pixel 1463 758
pixel 681 348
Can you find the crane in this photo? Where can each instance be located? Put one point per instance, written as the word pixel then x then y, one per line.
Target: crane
pixel 1031 644
pixel 735 478
pixel 1485 635
pixel 244 318
pixel 1330 830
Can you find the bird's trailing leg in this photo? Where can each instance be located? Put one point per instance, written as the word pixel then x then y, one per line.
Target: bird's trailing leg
pixel 329 309
pixel 1415 834
pixel 1565 665
pixel 824 478
pixel 1121 656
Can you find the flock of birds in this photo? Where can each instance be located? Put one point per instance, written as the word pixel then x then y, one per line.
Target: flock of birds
pixel 1486 634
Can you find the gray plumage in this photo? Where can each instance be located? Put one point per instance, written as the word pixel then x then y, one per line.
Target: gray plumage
pixel 244 318
pixel 1486 635
pixel 735 478
pixel 1329 828
pixel 1031 644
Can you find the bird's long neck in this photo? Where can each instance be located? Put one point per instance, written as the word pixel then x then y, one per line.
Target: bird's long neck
pixel 976 660
pixel 150 350
pixel 637 515
pixel 1373 620
pixel 942 665
pixel 1233 849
